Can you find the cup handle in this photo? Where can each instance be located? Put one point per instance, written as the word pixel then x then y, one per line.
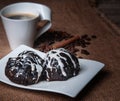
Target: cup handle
pixel 45 15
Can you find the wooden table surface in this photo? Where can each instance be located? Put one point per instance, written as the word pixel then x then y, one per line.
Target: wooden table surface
pixel 76 17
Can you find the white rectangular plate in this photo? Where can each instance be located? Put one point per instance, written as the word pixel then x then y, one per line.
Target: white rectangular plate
pixel 70 87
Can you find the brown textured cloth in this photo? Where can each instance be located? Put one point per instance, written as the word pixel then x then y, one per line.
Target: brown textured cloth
pixel 76 17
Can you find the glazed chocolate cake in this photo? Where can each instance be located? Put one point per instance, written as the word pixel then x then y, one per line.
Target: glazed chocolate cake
pixel 59 64
pixel 26 69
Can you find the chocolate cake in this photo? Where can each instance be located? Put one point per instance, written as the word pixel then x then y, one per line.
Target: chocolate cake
pixel 25 69
pixel 60 65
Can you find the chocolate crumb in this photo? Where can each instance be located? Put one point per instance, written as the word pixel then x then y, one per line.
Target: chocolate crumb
pixel 84 36
pixel 87 43
pixel 83 51
pixel 94 36
pixel 80 57
pixel 88 39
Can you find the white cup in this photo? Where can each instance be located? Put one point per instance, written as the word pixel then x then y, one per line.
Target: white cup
pixel 23 30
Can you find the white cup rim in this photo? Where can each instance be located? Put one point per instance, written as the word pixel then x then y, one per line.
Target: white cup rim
pixel 10 5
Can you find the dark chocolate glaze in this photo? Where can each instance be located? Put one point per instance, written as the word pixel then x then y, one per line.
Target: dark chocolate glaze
pixel 25 69
pixel 60 65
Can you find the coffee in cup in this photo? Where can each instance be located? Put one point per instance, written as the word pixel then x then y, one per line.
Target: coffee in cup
pixel 20 22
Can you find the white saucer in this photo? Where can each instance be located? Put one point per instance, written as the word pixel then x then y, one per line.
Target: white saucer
pixel 70 87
